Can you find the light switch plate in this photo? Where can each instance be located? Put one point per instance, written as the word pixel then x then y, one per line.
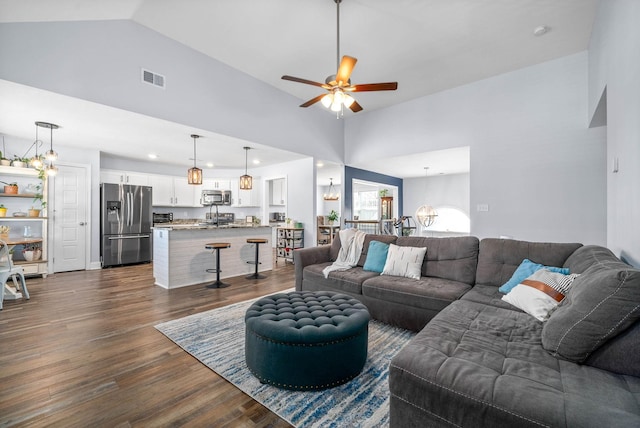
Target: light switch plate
pixel 483 207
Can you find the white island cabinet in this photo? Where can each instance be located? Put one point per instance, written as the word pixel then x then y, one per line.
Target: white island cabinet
pixel 180 259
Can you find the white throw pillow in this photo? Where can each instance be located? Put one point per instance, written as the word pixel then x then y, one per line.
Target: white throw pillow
pixel 540 293
pixel 404 261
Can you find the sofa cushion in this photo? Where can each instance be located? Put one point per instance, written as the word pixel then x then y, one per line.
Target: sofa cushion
pixel 488 295
pixel 499 258
pixel 540 293
pixel 621 354
pixel 376 256
pixel 478 365
pixel 404 261
pixel 349 280
pixel 428 293
pixel 602 303
pixel 526 269
pixel 454 258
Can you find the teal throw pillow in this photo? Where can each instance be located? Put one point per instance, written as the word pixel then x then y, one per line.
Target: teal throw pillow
pixel 376 256
pixel 525 270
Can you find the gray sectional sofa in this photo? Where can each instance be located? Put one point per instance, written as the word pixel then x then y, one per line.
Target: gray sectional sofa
pixel 479 361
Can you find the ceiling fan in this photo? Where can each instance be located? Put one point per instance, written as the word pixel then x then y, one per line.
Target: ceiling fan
pixel 339 86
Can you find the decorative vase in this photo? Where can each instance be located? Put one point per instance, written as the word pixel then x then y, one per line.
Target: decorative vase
pixel 3 212
pixel 5 162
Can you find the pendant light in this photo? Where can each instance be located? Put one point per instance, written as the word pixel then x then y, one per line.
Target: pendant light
pixel 426 214
pixel 50 155
pixel 332 195
pixel 194 175
pixel 246 181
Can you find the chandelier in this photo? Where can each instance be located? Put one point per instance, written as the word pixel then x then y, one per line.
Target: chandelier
pixel 332 195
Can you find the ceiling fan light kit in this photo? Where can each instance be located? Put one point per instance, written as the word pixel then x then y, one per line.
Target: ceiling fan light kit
pixel 339 84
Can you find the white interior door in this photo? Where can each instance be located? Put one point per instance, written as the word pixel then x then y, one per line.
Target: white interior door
pixel 70 219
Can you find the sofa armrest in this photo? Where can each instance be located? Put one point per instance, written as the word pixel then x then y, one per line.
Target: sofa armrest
pixel 309 256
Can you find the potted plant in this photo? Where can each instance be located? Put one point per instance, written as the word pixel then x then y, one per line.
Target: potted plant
pixel 3 211
pixel 333 216
pixel 10 188
pixel 4 161
pixel 383 192
pixel 19 162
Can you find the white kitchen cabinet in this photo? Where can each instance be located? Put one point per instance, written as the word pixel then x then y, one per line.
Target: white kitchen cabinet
pixel 218 184
pixel 124 177
pixel 279 192
pixel 247 198
pixel 170 191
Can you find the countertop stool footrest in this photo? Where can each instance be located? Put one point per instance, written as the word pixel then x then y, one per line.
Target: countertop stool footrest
pixel 306 340
pixel 217 246
pixel 257 242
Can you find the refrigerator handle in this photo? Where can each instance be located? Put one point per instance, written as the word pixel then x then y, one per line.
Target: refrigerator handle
pixel 131 209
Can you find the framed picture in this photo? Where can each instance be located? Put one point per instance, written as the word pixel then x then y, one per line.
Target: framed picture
pixel 248 219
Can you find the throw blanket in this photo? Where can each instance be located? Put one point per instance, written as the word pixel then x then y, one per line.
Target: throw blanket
pixel 351 241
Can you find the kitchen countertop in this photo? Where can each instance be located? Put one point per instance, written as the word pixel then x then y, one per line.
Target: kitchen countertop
pixel 183 226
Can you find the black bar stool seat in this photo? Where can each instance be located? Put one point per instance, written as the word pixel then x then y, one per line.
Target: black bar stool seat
pixel 256 262
pixel 217 246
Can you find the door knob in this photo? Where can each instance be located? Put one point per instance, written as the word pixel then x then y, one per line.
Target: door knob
pixel 82 223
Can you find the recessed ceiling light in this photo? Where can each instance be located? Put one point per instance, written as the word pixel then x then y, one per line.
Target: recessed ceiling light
pixel 256 161
pixel 209 164
pixel 152 156
pixel 319 164
pixel 541 30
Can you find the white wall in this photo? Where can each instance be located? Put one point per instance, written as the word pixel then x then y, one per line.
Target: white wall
pixel 301 192
pixel 441 190
pixel 533 159
pixel 614 64
pixel 100 61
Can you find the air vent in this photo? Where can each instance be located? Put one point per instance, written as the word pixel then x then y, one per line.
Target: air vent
pixel 152 78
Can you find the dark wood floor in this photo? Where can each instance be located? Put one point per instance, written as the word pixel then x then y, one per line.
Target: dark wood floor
pixel 84 352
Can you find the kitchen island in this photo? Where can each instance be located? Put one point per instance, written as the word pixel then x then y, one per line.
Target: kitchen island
pixel 180 259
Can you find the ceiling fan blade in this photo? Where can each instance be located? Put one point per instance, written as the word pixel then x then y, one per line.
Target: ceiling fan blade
pixel 305 81
pixel 345 69
pixel 355 107
pixel 388 86
pixel 312 101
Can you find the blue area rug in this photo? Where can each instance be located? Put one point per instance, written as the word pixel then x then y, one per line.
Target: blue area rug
pixel 216 338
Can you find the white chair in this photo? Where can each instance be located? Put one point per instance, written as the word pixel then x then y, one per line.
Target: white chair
pixel 8 270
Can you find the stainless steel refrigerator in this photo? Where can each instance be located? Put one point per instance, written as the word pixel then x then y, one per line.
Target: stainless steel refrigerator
pixel 125 225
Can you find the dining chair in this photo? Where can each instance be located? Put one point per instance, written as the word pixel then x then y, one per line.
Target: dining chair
pixel 9 270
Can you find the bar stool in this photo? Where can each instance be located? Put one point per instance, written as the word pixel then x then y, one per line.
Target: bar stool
pixel 217 246
pixel 256 262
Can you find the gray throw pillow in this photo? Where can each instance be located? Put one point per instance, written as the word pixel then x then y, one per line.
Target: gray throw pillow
pixel 602 303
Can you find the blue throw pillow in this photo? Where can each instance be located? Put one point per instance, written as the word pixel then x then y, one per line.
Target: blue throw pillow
pixel 376 256
pixel 525 270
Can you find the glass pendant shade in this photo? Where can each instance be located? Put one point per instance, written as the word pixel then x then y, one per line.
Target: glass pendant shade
pixel 36 162
pixel 426 215
pixel 194 175
pixel 51 170
pixel 327 100
pixel 51 156
pixel 246 181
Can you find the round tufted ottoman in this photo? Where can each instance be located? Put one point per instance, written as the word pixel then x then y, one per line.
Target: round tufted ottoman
pixel 306 340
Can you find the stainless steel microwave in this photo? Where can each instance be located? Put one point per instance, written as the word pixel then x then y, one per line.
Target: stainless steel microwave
pixel 216 197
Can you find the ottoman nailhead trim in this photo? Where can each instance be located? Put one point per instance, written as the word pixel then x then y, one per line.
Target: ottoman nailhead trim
pixel 302 387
